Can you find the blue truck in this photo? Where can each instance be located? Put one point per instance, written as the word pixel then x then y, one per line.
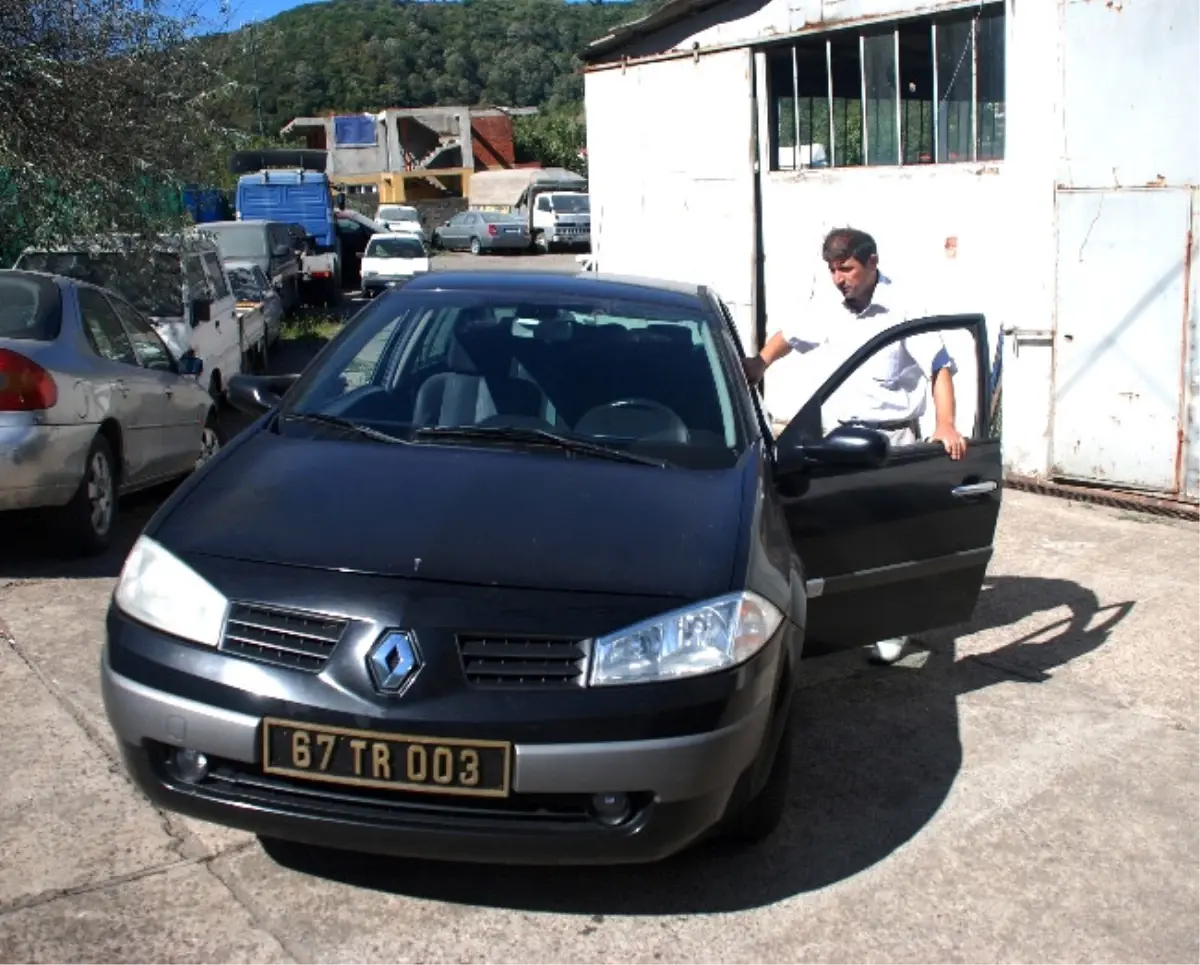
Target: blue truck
pixel 292 186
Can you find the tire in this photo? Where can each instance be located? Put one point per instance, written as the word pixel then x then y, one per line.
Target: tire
pixel 540 244
pixel 212 438
pixel 87 521
pixel 476 247
pixel 761 816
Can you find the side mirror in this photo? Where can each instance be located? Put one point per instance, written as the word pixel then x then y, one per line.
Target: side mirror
pixel 256 394
pixel 201 310
pixel 846 446
pixel 191 364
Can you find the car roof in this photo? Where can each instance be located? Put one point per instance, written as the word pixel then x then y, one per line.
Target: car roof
pixel 406 235
pixel 63 281
pixel 542 281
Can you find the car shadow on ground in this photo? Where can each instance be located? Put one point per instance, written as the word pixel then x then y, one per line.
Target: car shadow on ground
pixel 878 754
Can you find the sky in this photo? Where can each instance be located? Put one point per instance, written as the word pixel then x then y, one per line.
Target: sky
pixel 240 12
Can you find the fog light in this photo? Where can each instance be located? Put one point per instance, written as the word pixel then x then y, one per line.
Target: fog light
pixel 611 809
pixel 192 766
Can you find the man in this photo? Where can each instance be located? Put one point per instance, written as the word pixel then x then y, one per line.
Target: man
pixel 889 391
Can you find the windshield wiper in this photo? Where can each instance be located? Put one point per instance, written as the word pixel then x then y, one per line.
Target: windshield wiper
pixel 539 437
pixel 337 422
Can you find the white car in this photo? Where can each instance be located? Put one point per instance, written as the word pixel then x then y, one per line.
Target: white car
pixel 400 219
pixel 390 260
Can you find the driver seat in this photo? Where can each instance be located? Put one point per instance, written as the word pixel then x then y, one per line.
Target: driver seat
pixel 463 397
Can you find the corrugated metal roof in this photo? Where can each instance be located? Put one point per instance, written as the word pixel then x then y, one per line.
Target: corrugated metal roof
pixel 670 12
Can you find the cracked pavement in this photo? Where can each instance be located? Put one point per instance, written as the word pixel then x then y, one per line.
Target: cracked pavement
pixel 1022 788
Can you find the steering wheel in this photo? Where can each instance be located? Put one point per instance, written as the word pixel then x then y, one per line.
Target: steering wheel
pixel 634 418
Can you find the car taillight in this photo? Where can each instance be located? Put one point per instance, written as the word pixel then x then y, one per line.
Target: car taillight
pixel 492 229
pixel 24 385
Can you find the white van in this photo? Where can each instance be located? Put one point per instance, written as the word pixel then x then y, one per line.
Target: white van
pixel 182 287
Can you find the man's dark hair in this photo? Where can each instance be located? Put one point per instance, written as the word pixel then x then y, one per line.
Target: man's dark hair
pixel 843 243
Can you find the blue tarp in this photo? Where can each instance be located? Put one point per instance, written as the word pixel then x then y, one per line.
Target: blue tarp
pixel 351 129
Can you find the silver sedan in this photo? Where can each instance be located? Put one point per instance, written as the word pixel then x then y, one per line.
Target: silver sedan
pixel 92 405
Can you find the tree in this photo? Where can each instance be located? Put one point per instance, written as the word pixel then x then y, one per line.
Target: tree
pixel 105 111
pixel 557 138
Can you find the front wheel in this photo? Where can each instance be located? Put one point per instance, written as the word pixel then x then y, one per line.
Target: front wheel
pixel 541 244
pixel 763 814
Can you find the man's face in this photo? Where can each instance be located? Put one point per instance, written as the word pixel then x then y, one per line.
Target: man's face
pixel 852 278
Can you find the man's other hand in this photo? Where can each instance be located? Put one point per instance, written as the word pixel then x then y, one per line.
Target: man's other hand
pixel 952 439
pixel 755 368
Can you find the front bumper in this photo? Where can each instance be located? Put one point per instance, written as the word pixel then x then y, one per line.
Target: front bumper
pixel 41 465
pixel 679 786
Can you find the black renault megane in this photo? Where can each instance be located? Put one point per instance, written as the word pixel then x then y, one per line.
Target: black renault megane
pixel 516 570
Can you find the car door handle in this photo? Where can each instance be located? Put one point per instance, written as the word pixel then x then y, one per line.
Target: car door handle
pixel 974 489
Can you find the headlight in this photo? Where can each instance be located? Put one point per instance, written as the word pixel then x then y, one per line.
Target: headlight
pixel 161 590
pixel 699 639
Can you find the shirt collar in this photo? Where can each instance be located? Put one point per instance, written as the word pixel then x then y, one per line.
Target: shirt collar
pixel 881 302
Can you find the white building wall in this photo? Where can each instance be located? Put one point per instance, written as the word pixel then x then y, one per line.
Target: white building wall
pixel 1100 96
pixel 672 183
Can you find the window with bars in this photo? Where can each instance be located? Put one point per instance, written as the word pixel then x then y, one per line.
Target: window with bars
pixel 928 90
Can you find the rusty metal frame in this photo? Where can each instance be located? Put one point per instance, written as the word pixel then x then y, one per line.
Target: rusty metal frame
pixel 1099 496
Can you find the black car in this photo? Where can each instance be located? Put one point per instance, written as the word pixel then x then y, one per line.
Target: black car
pixel 516 571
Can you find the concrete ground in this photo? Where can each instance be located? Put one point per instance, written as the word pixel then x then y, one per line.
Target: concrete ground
pixel 1022 789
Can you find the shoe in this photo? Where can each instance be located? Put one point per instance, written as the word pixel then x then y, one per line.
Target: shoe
pixel 888 651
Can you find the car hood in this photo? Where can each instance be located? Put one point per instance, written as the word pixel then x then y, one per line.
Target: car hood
pixel 480 516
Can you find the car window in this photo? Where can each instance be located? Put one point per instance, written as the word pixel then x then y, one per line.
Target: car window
pixel 543 203
pixel 892 388
pixel 641 375
pixel 245 240
pixel 197 282
pixel 30 307
pixel 103 328
pixel 247 283
pixel 394 248
pixel 216 276
pixel 150 349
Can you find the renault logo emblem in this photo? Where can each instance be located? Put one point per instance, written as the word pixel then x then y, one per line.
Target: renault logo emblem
pixel 394 661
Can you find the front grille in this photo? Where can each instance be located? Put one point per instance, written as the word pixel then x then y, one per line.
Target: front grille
pixel 500 661
pixel 284 638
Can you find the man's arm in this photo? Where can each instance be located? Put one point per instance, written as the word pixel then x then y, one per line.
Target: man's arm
pixel 945 431
pixel 776 348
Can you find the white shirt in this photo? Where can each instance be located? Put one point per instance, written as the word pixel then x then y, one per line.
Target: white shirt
pixel 890 386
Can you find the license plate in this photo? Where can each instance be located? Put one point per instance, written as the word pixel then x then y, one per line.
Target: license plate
pixel 397 762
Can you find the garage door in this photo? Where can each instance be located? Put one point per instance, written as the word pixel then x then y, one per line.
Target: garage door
pixel 671 174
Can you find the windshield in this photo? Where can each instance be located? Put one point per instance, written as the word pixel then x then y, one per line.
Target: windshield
pixel 570 203
pixel 397 214
pixel 30 308
pixel 394 248
pixel 152 282
pixel 500 217
pixel 240 240
pixel 247 285
pixel 637 376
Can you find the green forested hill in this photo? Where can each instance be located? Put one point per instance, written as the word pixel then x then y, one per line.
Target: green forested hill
pixel 351 55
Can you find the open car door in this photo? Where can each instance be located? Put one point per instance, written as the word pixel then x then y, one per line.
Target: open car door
pixel 893 540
